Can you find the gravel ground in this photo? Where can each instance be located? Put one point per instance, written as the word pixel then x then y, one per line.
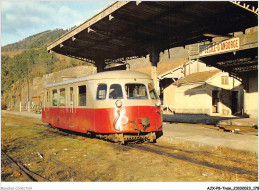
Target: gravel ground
pixel 33 144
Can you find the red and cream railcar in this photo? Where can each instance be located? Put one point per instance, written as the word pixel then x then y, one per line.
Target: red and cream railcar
pixel 116 105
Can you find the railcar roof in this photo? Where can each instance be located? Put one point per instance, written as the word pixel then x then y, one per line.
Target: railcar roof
pixel 119 74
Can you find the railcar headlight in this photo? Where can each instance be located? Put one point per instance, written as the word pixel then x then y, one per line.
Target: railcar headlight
pixel 124 120
pixel 118 103
pixel 158 103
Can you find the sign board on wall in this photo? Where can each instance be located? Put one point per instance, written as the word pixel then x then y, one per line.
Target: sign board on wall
pixel 219 47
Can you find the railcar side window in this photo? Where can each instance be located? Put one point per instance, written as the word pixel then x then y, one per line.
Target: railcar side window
pixel 152 91
pixel 136 91
pixel 62 97
pixel 54 97
pixel 48 96
pixel 115 92
pixel 101 91
pixel 71 96
pixel 82 95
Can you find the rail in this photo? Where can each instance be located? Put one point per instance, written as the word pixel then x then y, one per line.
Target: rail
pixel 53 160
pixel 31 176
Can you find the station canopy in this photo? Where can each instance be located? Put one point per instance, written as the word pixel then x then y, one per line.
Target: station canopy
pixel 126 30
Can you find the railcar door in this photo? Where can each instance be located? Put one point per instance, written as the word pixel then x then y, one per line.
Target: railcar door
pixel 62 107
pixel 46 106
pixel 157 110
pixel 81 113
pixel 70 108
pixel 70 98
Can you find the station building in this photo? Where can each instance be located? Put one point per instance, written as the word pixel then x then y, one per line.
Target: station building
pixel 210 92
pixel 194 88
pixel 188 84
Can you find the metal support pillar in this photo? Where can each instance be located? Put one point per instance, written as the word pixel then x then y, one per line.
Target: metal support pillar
pixel 154 59
pixel 100 64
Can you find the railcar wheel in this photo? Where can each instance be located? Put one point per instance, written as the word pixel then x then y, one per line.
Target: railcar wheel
pixel 91 134
pixel 152 137
pixel 119 138
pixel 51 126
pixel 153 141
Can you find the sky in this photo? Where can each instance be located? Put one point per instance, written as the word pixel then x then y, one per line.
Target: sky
pixel 20 19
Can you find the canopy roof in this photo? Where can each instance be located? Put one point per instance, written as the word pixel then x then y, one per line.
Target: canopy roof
pixel 197 77
pixel 130 29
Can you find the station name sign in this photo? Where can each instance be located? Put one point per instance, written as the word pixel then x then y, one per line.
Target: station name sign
pixel 219 47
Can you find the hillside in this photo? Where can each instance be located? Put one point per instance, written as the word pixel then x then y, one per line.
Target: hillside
pixel 35 41
pixel 12 53
pixel 29 59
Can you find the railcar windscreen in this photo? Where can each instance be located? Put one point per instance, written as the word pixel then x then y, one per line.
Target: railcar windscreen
pixel 136 91
pixel 115 92
pixel 101 91
pixel 152 91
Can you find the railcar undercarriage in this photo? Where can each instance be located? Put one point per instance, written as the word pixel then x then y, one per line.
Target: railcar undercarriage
pixel 124 138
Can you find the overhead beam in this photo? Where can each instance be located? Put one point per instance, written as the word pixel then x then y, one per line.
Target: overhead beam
pixel 113 48
pixel 130 20
pixel 79 45
pixel 123 39
pixel 180 13
pixel 216 35
pixel 72 50
pixel 143 23
pixel 246 6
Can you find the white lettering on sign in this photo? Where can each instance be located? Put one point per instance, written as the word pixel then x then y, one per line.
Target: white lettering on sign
pixel 225 46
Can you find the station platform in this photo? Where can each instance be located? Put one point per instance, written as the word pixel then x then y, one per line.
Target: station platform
pixel 23 113
pixel 211 120
pixel 216 131
pixel 201 136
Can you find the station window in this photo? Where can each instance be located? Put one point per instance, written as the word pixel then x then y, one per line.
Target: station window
pixel 82 95
pixel 152 91
pixel 115 92
pixel 224 80
pixel 136 91
pixel 71 96
pixel 62 97
pixel 54 97
pixel 101 92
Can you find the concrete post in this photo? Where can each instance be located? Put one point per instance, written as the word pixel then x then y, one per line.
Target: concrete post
pixel 29 106
pixel 100 64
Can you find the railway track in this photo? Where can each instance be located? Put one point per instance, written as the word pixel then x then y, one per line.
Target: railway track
pixel 31 176
pixel 35 177
pixel 187 156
